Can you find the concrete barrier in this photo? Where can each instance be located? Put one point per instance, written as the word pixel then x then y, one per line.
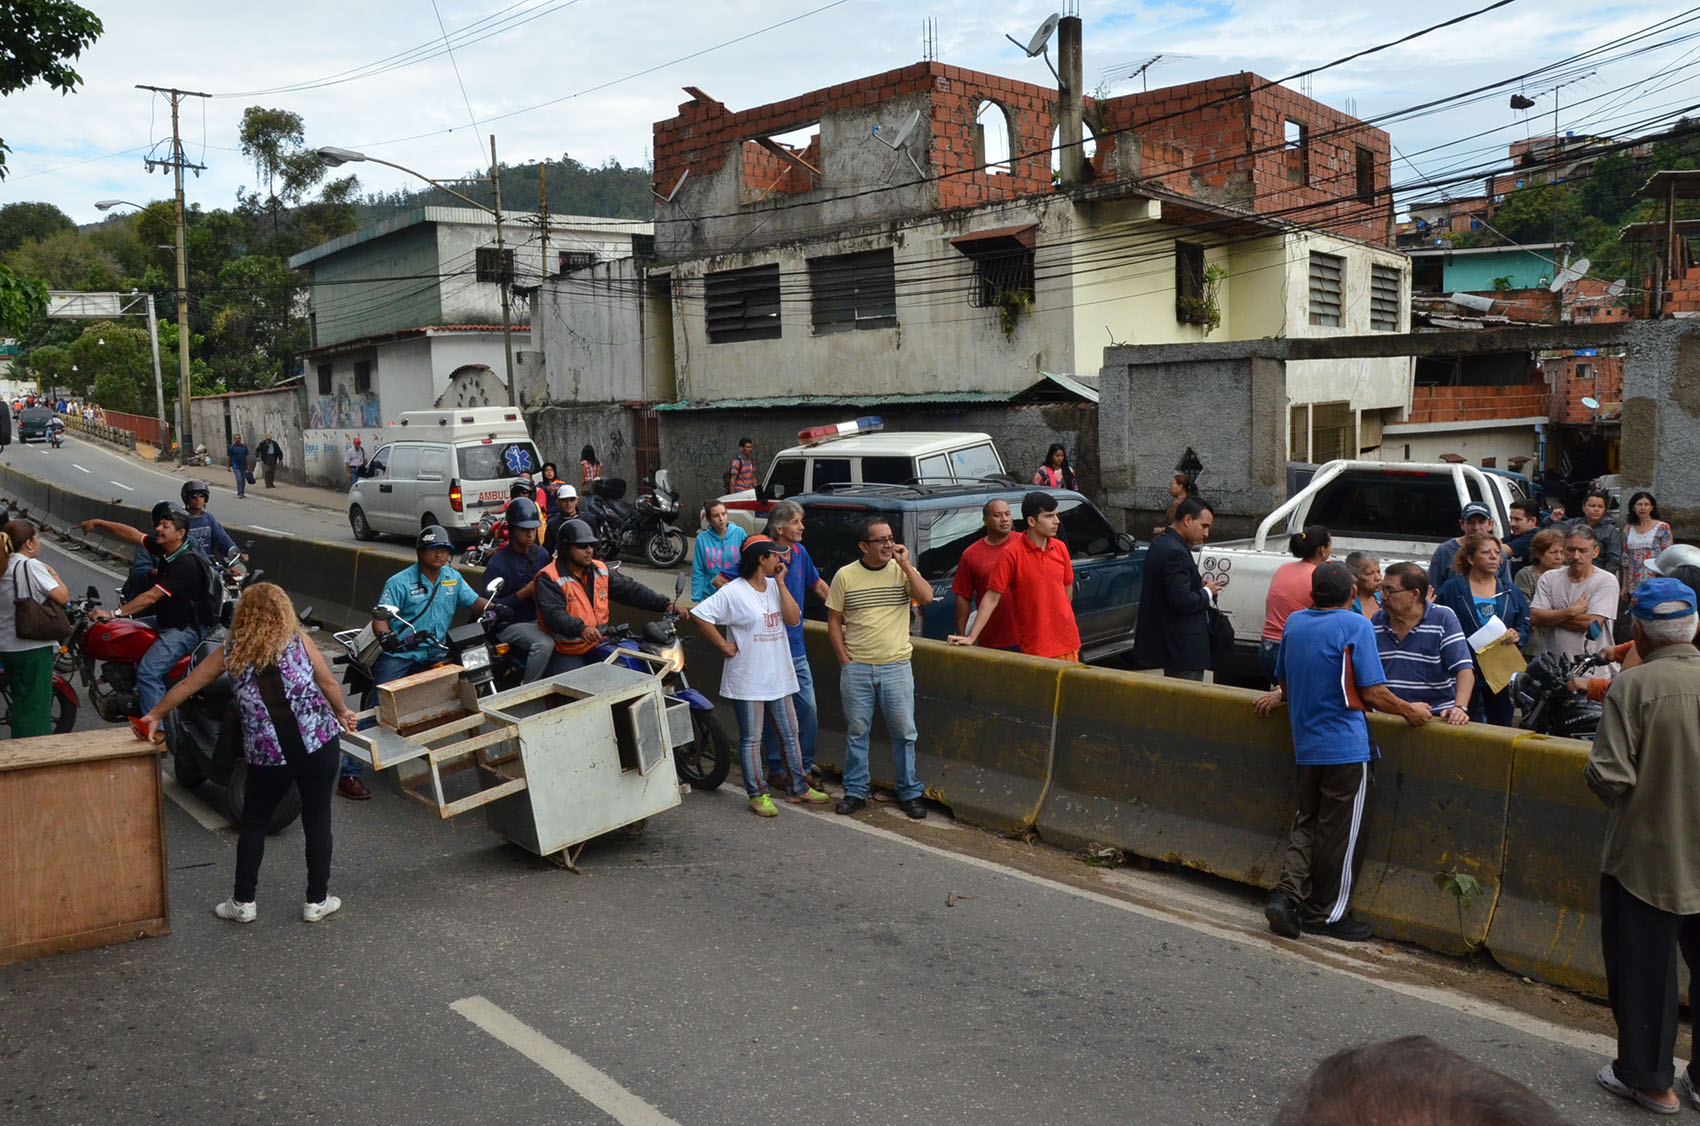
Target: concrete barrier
pixel 1170 770
pixel 1547 922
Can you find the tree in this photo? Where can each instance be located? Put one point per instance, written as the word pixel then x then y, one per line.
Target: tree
pixel 273 139
pixel 1609 191
pixel 37 40
pixel 21 300
pixel 20 222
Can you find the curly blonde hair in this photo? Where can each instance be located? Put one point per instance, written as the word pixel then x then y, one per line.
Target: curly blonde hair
pixel 261 628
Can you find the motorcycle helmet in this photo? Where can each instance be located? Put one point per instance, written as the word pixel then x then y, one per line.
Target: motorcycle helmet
pixel 575 533
pixel 1673 557
pixel 521 488
pixel 192 486
pixel 432 535
pixel 160 512
pixel 522 513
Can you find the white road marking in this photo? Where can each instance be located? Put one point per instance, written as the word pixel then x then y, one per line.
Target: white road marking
pixel 595 1087
pixel 263 528
pixel 74 465
pixel 122 485
pixel 192 805
pixel 83 561
pixel 1603 1046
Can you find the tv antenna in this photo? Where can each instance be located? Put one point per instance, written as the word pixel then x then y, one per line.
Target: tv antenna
pixel 1039 43
pixel 900 140
pixel 930 39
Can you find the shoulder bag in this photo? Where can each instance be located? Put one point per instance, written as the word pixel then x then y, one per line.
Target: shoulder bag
pixel 37 620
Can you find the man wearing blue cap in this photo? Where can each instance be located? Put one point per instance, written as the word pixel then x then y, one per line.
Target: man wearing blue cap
pixel 1645 766
pixel 1475 517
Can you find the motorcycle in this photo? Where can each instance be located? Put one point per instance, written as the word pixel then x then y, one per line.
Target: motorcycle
pixel 647 526
pixel 492 537
pixel 1545 702
pixel 55 433
pixel 465 646
pixel 64 707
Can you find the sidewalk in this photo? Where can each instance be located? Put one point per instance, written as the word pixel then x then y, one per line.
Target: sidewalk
pixel 316 497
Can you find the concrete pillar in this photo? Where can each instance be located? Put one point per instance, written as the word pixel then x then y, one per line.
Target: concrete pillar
pixel 1661 419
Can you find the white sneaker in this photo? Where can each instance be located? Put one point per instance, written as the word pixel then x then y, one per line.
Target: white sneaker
pixel 237 912
pixel 1685 1087
pixel 313 912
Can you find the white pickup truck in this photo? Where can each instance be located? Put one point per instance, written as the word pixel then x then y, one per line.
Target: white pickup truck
pixel 1398 510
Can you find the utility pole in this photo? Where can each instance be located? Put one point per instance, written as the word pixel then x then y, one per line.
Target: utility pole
pixel 507 278
pixel 185 440
pixel 543 220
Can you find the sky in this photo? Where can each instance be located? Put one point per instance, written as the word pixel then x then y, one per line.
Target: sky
pixel 586 57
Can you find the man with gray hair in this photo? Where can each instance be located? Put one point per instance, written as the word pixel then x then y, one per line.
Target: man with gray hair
pixel 1645 765
pixel 785 528
pixel 1571 601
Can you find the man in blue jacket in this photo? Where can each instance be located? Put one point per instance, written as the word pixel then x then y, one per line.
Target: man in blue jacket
pixel 1173 631
pixel 517 565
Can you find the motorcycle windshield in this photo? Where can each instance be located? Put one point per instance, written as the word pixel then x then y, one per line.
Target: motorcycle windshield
pixel 663 483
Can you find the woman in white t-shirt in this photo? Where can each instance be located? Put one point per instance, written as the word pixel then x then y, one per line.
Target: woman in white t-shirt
pixel 28 664
pixel 759 678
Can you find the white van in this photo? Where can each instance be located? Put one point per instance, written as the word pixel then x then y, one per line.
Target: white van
pixel 446 467
pixel 880 457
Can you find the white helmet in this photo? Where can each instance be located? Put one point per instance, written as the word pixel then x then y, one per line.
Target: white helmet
pixel 1674 556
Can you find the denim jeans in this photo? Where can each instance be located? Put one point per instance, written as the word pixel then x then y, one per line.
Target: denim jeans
pixel 1267 653
pixel 892 688
pixel 527 639
pixel 241 476
pixel 808 722
pixel 750 729
pixel 172 646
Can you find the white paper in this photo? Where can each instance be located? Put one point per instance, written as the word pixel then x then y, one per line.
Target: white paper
pixel 1489 634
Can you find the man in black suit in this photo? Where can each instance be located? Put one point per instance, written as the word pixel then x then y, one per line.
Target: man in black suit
pixel 1173 632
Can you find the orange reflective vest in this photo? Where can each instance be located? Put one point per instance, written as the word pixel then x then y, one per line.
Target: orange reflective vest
pixel 586 608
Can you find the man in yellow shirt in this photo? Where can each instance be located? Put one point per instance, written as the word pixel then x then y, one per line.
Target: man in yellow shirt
pixel 867 617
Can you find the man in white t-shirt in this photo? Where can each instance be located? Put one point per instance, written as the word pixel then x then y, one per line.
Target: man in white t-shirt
pixel 1570 601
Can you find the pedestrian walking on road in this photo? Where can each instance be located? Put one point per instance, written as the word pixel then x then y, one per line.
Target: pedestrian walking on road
pixel 979 564
pixel 1327 670
pixel 1422 646
pixel 293 717
pixel 1055 472
pixel 1645 766
pixel 27 662
pixel 1477 594
pixel 1173 630
pixel 1035 574
pixel 867 620
pixel 238 454
pixel 758 678
pixel 741 474
pixel 1289 590
pixel 271 456
pixel 354 460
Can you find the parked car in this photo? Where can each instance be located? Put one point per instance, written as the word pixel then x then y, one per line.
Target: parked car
pixel 937 522
pixel 1400 511
pixel 862 456
pixel 441 467
pixel 32 423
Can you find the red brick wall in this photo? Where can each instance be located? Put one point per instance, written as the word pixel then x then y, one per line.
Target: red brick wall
pixel 1475 404
pixel 1604 383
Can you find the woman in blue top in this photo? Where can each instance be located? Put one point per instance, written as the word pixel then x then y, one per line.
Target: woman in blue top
pixel 716 552
pixel 267 654
pixel 1476 594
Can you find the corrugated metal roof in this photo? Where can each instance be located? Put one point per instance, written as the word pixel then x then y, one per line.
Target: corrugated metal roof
pixel 942 398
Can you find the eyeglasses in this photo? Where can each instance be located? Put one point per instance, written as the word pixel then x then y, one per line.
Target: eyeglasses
pixel 1385 589
pixel 883 539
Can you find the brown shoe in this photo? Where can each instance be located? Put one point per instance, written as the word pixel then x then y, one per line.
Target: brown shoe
pixel 350 786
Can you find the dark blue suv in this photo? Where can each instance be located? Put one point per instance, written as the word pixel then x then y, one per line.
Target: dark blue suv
pixel 937 522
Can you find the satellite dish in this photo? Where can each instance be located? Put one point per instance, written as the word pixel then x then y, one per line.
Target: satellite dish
pixel 1590 402
pixel 1042 37
pixel 1616 288
pixel 1569 274
pixel 907 128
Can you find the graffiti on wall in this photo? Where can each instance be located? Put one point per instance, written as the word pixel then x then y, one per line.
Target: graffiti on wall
pixel 344 411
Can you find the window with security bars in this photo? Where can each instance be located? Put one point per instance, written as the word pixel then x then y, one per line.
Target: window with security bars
pixel 742 304
pixel 853 291
pixel 492 265
pixel 1000 276
pixel 1384 299
pixel 1327 276
pixel 1319 432
pixel 1189 284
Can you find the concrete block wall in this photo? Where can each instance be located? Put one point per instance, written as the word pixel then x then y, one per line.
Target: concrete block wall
pixel 1661 419
pixel 1604 384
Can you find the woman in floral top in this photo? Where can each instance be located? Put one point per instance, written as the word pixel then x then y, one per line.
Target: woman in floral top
pixel 1644 536
pixel 267 646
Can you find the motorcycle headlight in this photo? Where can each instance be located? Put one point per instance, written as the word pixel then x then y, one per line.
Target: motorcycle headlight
pixel 477 657
pixel 674 655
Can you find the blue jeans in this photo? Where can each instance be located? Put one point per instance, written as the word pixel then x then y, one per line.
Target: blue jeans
pixel 173 645
pixel 386 668
pixel 808 722
pixel 892 688
pixel 750 729
pixel 1267 652
pixel 241 476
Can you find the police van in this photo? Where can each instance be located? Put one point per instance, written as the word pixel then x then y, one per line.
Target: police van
pixel 446 467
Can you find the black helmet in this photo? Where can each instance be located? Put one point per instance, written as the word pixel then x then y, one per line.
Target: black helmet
pixel 575 533
pixel 521 488
pixel 195 485
pixel 432 535
pixel 160 512
pixel 522 513
pixel 178 516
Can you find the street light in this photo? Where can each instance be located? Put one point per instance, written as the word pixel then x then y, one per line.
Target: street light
pixel 336 157
pixel 153 341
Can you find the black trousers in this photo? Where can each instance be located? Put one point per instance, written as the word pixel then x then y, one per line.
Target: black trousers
pixel 1640 944
pixel 1324 847
pixel 315 776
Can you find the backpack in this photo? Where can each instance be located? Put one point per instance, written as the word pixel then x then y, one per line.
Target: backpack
pixel 208 597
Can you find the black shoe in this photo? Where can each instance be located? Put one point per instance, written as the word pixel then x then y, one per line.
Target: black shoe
pixel 1282 914
pixel 1346 930
pixel 849 804
pixel 915 808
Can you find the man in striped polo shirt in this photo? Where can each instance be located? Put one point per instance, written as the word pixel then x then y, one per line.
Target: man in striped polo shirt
pixel 1422 646
pixel 867 618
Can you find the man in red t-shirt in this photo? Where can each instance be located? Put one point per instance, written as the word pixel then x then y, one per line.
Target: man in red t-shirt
pixel 1038 576
pixel 974 576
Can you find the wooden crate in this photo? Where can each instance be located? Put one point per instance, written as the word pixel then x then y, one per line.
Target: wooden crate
pixel 425 699
pixel 82 843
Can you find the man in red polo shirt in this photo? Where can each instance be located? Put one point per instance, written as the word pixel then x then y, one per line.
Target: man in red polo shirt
pixel 974 574
pixel 1038 575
